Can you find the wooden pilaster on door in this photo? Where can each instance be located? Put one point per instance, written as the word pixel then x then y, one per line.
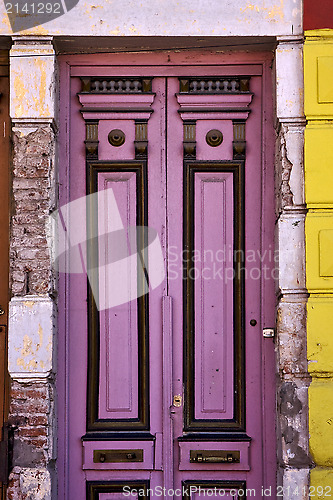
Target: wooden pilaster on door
pixel 167 394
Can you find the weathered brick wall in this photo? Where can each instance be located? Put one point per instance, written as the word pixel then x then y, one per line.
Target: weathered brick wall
pixel 31 418
pixel 32 400
pixel 32 202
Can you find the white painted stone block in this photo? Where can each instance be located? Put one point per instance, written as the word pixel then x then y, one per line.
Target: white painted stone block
pixel 289 81
pixel 296 484
pixel 30 336
pixel 291 248
pixel 32 79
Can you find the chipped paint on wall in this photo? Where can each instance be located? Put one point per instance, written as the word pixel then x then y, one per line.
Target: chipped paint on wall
pixel 171 18
pixel 33 96
pixel 31 339
pixel 273 12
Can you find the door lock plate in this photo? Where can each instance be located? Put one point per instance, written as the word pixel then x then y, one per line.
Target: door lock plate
pixel 177 400
pixel 214 456
pixel 268 333
pixel 116 456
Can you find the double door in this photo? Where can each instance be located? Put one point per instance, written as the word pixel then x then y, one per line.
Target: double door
pixel 165 379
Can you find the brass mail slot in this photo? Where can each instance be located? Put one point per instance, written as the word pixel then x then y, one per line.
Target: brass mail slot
pixel 113 456
pixel 215 456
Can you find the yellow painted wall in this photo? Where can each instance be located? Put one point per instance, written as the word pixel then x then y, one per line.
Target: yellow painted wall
pixel 318 86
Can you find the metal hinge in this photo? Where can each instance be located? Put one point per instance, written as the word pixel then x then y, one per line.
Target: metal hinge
pixel 4 455
pixel 6 447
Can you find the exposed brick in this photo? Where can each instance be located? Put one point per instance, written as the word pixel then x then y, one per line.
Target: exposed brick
pixel 27 253
pixel 30 409
pixel 17 420
pixel 32 431
pixel 31 265
pixel 18 288
pixel 32 205
pixel 18 276
pixel 37 420
pixel 27 219
pixel 28 406
pixel 43 254
pixel 32 178
pixel 40 281
pixel 29 399
pixel 30 194
pixel 28 241
pixel 27 184
pixel 13 492
pixel 39 442
pixel 17 231
pixel 26 391
pixel 34 227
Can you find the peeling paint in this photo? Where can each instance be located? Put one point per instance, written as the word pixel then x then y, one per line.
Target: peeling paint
pixel 272 12
pixel 29 303
pixel 31 339
pixel 260 17
pixel 32 97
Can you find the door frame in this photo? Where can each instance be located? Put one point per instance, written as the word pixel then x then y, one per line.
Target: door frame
pixel 164 64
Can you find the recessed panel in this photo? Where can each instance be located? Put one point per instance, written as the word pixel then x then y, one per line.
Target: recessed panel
pixel 319 230
pixel 114 490
pixel 197 490
pixel 326 252
pixel 209 456
pixel 118 390
pixel 213 294
pixel 103 455
pixel 213 245
pixel 118 330
pixel 325 77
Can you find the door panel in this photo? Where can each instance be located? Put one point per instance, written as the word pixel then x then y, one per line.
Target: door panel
pixel 212 285
pixel 118 397
pixel 118 371
pixel 213 344
pixel 173 376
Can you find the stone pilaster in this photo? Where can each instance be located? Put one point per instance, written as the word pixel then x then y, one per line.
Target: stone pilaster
pixel 294 459
pixel 32 309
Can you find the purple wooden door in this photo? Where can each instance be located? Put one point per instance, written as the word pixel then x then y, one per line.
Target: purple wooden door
pixel 165 378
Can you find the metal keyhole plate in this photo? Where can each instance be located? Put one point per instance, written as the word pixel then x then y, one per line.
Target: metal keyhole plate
pixel 177 401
